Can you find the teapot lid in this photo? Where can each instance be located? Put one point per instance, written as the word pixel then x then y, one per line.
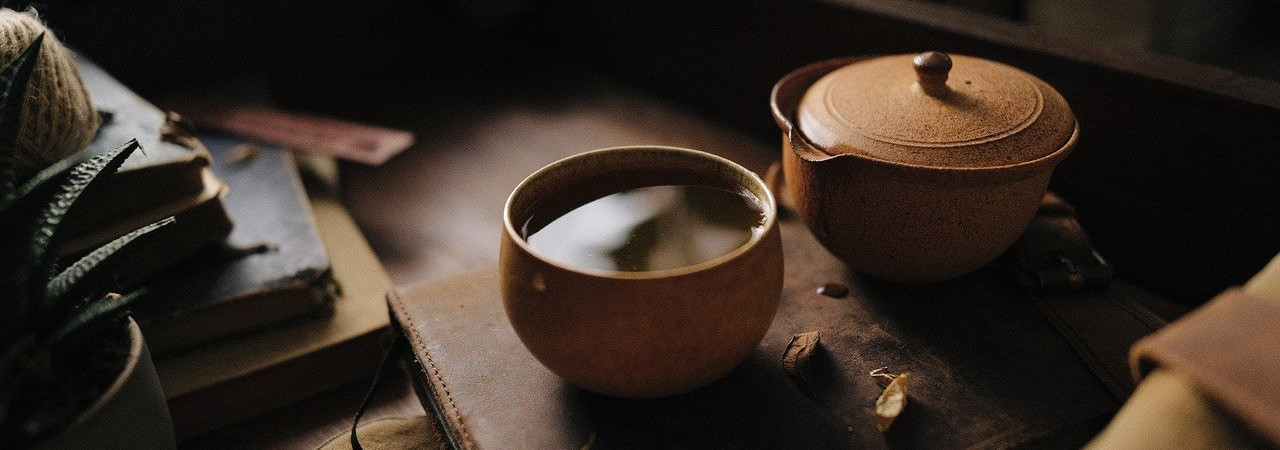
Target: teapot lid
pixel 936 111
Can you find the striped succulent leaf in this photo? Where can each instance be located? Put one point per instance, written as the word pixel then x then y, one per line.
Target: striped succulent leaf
pixel 40 187
pixel 92 275
pixel 96 310
pixel 32 239
pixel 84 179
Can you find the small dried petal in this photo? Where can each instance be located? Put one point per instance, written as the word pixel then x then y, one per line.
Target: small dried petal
pixel 891 402
pixel 798 357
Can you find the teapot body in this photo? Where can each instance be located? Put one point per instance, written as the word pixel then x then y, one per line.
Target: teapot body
pixel 900 222
pixel 907 230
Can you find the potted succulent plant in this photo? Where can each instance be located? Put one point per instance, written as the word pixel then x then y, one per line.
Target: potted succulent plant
pixel 74 370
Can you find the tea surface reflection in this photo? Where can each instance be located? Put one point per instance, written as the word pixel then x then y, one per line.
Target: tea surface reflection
pixel 651 228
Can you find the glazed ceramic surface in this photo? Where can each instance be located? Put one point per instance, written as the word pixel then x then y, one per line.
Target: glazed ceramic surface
pixel 919 168
pixel 638 334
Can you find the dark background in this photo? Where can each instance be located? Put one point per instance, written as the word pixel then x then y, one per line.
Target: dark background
pixel 1174 176
pixel 295 43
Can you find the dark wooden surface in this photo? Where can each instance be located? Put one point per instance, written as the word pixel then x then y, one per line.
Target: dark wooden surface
pixel 436 209
pixel 308 424
pixel 1175 175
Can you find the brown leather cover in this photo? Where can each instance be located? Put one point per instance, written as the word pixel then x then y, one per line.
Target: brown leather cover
pixel 989 371
pixel 1066 280
pixel 1230 348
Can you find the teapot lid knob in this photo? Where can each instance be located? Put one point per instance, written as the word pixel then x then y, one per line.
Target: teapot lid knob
pixel 931 71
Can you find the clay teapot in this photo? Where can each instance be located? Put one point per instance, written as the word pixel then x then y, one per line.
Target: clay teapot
pixel 919 168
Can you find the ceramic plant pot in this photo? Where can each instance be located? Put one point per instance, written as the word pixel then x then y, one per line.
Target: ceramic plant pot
pixel 131 414
pixel 638 334
pixel 919 168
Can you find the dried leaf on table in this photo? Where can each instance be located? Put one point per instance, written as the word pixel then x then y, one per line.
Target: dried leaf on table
pixel 798 357
pixel 891 402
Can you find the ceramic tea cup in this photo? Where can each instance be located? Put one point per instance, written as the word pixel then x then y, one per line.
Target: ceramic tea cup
pixel 638 333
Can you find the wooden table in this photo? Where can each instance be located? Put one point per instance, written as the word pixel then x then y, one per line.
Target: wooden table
pixel 436 209
pixel 1166 175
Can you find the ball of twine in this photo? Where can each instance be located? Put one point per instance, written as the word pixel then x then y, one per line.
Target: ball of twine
pixel 57 118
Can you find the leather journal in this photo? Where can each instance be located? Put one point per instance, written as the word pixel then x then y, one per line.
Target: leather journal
pixel 997 361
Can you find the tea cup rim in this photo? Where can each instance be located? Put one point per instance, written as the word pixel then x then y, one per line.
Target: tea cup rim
pixel 761 191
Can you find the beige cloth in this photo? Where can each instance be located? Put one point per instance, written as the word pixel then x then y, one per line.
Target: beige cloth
pixel 1167 412
pixel 1210 380
pixel 1230 351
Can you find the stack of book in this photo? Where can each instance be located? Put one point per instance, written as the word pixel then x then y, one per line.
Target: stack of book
pixel 272 268
pixel 171 176
pixel 228 380
pixel 261 293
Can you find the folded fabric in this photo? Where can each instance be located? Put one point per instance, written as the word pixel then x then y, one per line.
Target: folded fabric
pixel 1228 350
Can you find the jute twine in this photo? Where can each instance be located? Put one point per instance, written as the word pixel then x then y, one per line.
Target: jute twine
pixel 57 118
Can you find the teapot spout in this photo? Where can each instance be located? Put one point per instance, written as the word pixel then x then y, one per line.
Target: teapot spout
pixel 805 149
pixel 786 97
